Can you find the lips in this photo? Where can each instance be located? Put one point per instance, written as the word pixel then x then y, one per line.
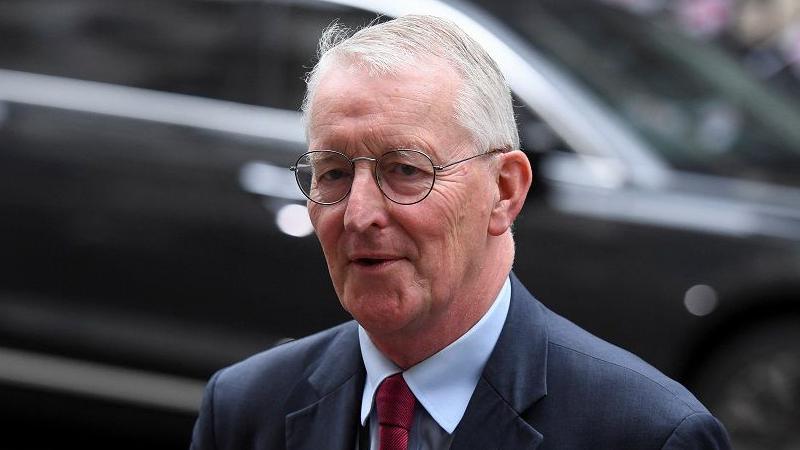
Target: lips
pixel 373 261
pixel 368 261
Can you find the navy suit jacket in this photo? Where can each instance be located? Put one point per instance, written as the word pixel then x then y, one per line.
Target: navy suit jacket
pixel 547 385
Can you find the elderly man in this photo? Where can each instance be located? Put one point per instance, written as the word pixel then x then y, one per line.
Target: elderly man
pixel 414 177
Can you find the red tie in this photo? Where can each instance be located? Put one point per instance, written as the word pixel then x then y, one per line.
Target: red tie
pixel 395 403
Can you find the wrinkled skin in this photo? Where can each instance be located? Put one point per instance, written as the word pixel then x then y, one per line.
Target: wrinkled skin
pixel 433 280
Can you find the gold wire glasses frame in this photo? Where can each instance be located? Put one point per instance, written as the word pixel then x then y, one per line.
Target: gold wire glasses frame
pixel 404 176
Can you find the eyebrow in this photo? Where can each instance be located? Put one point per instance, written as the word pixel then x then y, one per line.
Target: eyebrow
pixel 322 157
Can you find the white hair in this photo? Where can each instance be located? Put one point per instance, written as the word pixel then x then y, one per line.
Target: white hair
pixel 483 105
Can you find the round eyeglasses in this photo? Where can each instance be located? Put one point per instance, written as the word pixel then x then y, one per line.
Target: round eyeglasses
pixel 404 176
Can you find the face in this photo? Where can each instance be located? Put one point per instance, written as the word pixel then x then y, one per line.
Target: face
pixel 401 268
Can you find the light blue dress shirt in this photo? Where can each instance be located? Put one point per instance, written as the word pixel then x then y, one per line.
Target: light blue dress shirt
pixel 443 383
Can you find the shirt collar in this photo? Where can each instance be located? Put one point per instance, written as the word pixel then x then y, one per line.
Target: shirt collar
pixel 444 382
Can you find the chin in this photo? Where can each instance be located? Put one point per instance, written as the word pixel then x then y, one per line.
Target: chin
pixel 381 311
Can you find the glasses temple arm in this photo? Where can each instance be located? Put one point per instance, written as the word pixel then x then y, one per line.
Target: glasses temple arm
pixel 490 152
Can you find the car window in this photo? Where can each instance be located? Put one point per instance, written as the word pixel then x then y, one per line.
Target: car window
pixel 689 98
pixel 250 52
pixel 537 136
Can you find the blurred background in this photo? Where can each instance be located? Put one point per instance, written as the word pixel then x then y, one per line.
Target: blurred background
pixel 150 232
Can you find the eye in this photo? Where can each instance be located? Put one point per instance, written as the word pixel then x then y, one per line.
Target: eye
pixel 406 169
pixel 403 170
pixel 404 166
pixel 332 175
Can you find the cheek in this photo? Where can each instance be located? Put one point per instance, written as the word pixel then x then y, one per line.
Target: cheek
pixel 448 203
pixel 438 232
pixel 456 209
pixel 456 225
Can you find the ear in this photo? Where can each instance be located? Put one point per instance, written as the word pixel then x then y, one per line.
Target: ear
pixel 514 177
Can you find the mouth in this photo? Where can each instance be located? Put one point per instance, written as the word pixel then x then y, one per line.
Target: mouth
pixel 374 262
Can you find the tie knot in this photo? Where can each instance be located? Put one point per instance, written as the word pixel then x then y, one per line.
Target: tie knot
pixel 395 402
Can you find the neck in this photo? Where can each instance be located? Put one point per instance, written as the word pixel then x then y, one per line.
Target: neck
pixel 469 303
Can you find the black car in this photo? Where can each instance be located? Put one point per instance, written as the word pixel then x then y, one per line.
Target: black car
pixel 151 233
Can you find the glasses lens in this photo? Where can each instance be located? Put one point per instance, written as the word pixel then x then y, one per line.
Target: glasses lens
pixel 405 176
pixel 324 176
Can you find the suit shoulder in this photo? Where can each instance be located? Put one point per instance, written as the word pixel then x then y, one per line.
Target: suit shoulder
pixel 247 402
pixel 624 377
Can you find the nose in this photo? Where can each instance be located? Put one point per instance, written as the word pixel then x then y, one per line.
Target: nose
pixel 365 206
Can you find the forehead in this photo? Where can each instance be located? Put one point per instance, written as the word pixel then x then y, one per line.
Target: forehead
pixel 415 106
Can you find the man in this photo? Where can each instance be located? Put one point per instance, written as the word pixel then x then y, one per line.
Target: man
pixel 414 177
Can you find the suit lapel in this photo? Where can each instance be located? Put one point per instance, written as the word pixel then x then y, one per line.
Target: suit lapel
pixel 513 380
pixel 330 420
pixel 490 423
pixel 330 423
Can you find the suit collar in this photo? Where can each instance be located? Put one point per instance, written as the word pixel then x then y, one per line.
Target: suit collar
pixel 338 361
pixel 517 369
pixel 514 379
pixel 330 419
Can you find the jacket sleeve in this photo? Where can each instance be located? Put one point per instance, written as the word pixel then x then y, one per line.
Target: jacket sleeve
pixel 698 431
pixel 203 435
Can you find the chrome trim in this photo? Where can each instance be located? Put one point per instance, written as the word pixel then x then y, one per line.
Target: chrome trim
pixel 145 104
pixel 92 379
